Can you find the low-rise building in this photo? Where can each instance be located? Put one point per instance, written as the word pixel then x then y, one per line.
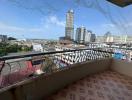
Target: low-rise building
pixel 37 47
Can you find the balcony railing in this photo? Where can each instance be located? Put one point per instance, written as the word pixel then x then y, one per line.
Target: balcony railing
pixel 14 69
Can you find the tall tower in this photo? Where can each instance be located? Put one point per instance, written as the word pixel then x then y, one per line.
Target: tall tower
pixel 69 28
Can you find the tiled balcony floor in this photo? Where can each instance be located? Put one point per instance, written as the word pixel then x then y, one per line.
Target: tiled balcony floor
pixel 102 86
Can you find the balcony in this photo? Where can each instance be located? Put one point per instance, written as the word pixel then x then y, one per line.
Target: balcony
pixel 85 74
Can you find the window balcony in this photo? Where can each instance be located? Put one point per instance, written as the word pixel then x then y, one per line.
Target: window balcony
pixel 85 74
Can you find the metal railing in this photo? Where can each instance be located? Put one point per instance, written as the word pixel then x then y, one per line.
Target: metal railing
pixel 14 69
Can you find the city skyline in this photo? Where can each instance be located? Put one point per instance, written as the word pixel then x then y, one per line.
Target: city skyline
pixel 20 20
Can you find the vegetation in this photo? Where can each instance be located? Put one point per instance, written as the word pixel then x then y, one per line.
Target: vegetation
pixel 48 65
pixel 11 38
pixel 6 48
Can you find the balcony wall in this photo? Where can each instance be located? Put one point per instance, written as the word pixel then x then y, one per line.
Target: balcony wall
pixel 44 85
pixel 123 67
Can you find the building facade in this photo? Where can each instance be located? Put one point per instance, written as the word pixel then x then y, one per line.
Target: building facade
pixel 3 38
pixel 80 34
pixel 69 28
pixel 129 39
pixel 93 38
pixel 37 47
pixel 84 36
pixel 108 37
pixel 100 39
pixel 89 37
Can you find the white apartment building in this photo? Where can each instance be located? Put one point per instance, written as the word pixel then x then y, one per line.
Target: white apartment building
pixel 37 47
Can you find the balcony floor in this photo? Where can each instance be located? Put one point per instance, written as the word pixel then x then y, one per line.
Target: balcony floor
pixel 108 85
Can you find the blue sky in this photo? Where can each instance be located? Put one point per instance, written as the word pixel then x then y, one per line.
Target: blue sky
pixel 45 19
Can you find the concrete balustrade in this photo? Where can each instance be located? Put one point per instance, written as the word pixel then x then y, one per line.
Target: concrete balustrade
pixel 39 87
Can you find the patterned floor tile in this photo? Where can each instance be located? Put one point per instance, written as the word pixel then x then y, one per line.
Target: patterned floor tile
pixel 108 85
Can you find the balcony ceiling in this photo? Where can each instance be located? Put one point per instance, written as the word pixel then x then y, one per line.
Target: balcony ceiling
pixel 121 3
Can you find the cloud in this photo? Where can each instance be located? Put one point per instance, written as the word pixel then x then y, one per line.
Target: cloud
pixel 127 25
pixel 108 25
pixel 53 20
pixel 121 29
pixel 4 26
pixel 15 29
pixel 51 25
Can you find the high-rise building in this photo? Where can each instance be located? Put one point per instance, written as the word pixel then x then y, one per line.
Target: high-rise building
pixel 115 38
pixel 3 38
pixel 89 37
pixel 108 37
pixel 121 39
pixel 80 34
pixel 84 36
pixel 69 28
pixel 93 37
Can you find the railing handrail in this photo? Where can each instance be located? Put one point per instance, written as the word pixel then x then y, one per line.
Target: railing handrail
pixel 47 53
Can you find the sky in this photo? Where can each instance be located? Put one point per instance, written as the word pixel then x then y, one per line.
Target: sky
pixel 45 19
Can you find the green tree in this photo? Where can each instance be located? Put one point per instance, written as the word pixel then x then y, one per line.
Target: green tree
pixel 6 48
